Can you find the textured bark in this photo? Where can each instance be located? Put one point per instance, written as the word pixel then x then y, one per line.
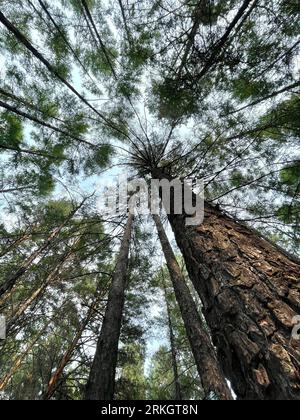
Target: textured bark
pixel 210 372
pixel 250 292
pixel 178 394
pixel 101 384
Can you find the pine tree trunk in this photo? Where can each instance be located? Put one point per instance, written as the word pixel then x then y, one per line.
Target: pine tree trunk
pixel 101 384
pixel 211 375
pixel 250 292
pixel 178 394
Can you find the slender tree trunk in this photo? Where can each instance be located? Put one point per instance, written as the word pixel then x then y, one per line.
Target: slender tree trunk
pixel 10 190
pixel 52 276
pixel 55 379
pixel 211 375
pixel 250 292
pixel 41 122
pixel 14 245
pixel 18 362
pixel 11 281
pixel 101 384
pixel 178 394
pixel 62 35
pixel 101 43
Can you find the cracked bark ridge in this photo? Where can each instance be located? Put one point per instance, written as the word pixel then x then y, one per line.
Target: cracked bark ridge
pixel 250 292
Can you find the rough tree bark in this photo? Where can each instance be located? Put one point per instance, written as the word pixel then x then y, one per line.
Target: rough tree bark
pixel 210 372
pixel 250 292
pixel 101 383
pixel 177 386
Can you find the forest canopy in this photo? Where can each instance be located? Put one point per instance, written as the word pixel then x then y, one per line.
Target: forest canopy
pixel 98 306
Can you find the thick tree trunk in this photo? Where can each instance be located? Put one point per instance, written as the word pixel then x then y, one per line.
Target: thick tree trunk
pixel 101 384
pixel 211 375
pixel 178 394
pixel 250 292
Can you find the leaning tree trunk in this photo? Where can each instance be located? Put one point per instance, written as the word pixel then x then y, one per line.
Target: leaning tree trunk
pixel 28 262
pixel 19 361
pixel 177 386
pixel 250 292
pixel 51 278
pixel 101 384
pixel 210 372
pixel 55 379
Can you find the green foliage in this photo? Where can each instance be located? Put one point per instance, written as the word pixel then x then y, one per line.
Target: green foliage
pixel 11 133
pixel 237 178
pixel 161 376
pixel 174 101
pixel 131 386
pixel 244 89
pixel 57 211
pixel 291 9
pixel 97 61
pixel 283 120
pixel 77 6
pixel 209 12
pixel 58 151
pixel 60 310
pixel 98 160
pixel 78 125
pixel 139 55
pixel 63 70
pixel 58 45
pixel 164 74
pixel 289 213
pixel 291 176
pixel 140 51
pixel 45 184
